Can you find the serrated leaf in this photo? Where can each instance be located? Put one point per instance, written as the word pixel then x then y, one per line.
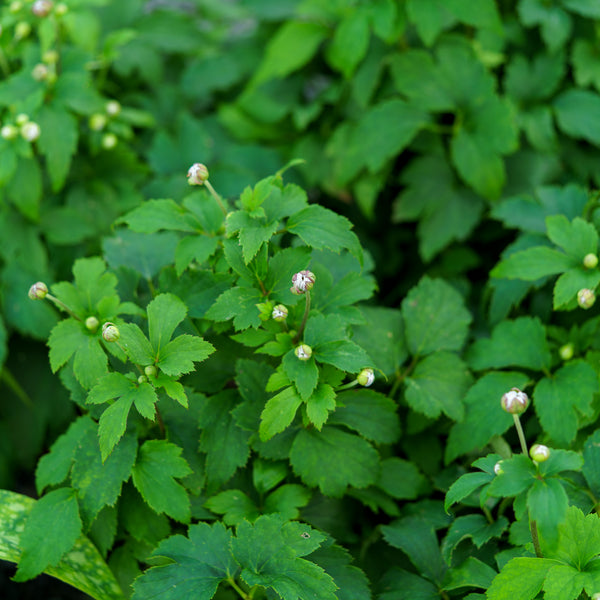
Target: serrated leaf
pixel 547 502
pixel 464 486
pixel 96 580
pixel 113 423
pixel 165 312
pixel 234 505
pixel 474 527
pixel 569 283
pixel 320 403
pixel 533 263
pixel 438 384
pixel 200 562
pixel 51 530
pixel 517 475
pixel 558 400
pixel 343 354
pixel 157 466
pixel 136 344
pixel 304 373
pixel 279 412
pixel 333 459
pixel 435 317
pixel 470 573
pixel 577 238
pixel 286 500
pixel 370 413
pixel 253 233
pixel 520 579
pixel 194 247
pixel 239 304
pixel 518 343
pixel 591 464
pixel 179 355
pixel 156 215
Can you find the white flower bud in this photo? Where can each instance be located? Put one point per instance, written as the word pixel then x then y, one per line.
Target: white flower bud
pixel 280 313
pixel 15 6
pixel 110 332
pixel 30 131
pixel 567 351
pixel 302 282
pixel 109 141
pixel 21 119
pixel 113 108
pixel 515 401
pixel 38 291
pixel 586 298
pixel 42 8
pixel 97 122
pixel 142 379
pixel 22 30
pixel 366 377
pixel 303 352
pixel 498 468
pixel 61 9
pixel 539 452
pixel 9 132
pixel 197 174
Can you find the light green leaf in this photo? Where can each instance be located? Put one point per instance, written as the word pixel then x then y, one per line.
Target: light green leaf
pixel 239 304
pixel 158 464
pixel 253 233
pixel 577 238
pixel 578 114
pixel 179 355
pixel 569 283
pixel 343 354
pixel 279 412
pixel 304 373
pixel 113 423
pixel 547 502
pixel 194 247
pixel 520 579
pixel 157 215
pixel 286 500
pixel 350 42
pixel 165 312
pixel 320 404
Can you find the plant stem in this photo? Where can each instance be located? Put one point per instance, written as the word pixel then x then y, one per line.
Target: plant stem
pixel 304 319
pixel 216 196
pixel 231 581
pixel 62 305
pixel 347 386
pixel 520 434
pixel 535 539
pixel 15 386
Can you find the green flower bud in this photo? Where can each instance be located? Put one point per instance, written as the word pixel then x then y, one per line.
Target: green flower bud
pixel 197 174
pixel 596 596
pixel 590 261
pixel 110 332
pixel 498 468
pixel 142 379
pixel 586 298
pixel 539 453
pixel 30 131
pixel 50 57
pixel 61 9
pixel 38 291
pixel 22 30
pixel 21 119
pixel 515 401
pixel 109 141
pixel 302 281
pixel 91 324
pixel 97 122
pixel 303 352
pixel 15 6
pixel 150 371
pixel 40 72
pixel 9 132
pixel 566 352
pixel 366 377
pixel 280 313
pixel 112 108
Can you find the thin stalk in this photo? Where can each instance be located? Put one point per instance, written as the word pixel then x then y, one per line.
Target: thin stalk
pixel 216 196
pixel 304 319
pixel 347 386
pixel 521 435
pixel 15 386
pixel 232 582
pixel 62 305
pixel 535 539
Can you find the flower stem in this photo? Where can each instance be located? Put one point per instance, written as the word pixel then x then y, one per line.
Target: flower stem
pixel 535 539
pixel 520 434
pixel 216 196
pixel 304 319
pixel 62 305
pixel 347 386
pixel 15 386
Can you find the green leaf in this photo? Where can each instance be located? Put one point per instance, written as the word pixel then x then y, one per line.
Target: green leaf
pixel 194 247
pixel 179 355
pixel 57 142
pixel 333 459
pixel 371 414
pixel 96 579
pixel 586 68
pixel 51 530
pixel 26 187
pixel 435 317
pixel 225 443
pixel 520 579
pixel 415 537
pixel 282 267
pixel 400 479
pixel 253 233
pixel 136 344
pixel 200 562
pixel 559 400
pixel 579 538
pixel 350 42
pixel 165 312
pixel 286 500
pixel 269 553
pixel 518 474
pixel 343 354
pixel 322 228
pixel 438 384
pixel 290 48
pixel 113 423
pixel 484 417
pixel 474 527
pixel 518 343
pixel 547 502
pixel 471 573
pixel 591 464
pixel 320 404
pixel 430 18
pixel 533 263
pixel 464 486
pixel 304 373
pixel 404 585
pixel 577 113
pixel 158 464
pixel 54 467
pixel 239 304
pixel 279 412
pixel 234 505
pixel 157 215
pixel 555 23
pixel 565 582
pixel 577 238
pixel 569 283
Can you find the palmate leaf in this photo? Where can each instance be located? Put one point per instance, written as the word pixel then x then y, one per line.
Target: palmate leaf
pixel 179 355
pixel 82 567
pixel 165 312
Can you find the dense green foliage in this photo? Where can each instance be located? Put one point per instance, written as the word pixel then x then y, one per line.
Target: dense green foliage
pixel 422 174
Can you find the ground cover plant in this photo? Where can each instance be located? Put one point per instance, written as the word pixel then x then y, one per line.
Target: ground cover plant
pixel 298 299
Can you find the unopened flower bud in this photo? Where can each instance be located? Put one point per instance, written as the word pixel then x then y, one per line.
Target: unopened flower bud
pixel 366 377
pixel 42 8
pixel 150 371
pixel 539 452
pixel 22 30
pixel 113 108
pixel 21 119
pixel 590 261
pixel 110 332
pixel 97 122
pixel 38 291
pixel 142 379
pixel 109 141
pixel 596 596
pixel 303 352
pixel 15 6
pixel 40 72
pixel 586 298
pixel 302 282
pixel 515 401
pixel 566 352
pixel 280 312
pixel 197 174
pixel 498 468
pixel 50 57
pixel 9 132
pixel 30 131
pixel 91 324
pixel 61 9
